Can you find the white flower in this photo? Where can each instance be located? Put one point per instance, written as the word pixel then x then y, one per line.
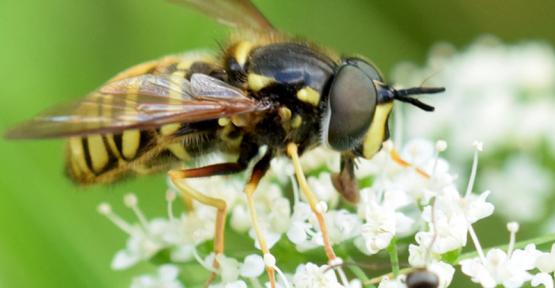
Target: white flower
pixel 323 189
pixel 443 271
pixel 252 266
pixel 342 225
pixel 513 87
pixel 542 279
pixel 546 261
pixel 165 278
pixel 141 245
pixel 234 284
pixel 519 198
pixel 395 283
pixel 500 268
pixel 303 231
pixel 379 228
pixel 311 276
pixel 228 267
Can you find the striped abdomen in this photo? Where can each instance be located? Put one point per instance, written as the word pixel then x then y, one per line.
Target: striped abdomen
pixel 109 157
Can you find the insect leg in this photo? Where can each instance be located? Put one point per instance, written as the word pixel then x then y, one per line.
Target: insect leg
pixel 258 172
pixel 312 201
pixel 394 154
pixel 187 192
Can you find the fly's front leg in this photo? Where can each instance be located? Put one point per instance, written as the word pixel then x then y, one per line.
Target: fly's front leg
pixel 187 192
pixel 292 151
pixel 394 154
pixel 258 172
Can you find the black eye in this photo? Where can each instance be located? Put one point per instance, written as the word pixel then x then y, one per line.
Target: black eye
pixel 351 106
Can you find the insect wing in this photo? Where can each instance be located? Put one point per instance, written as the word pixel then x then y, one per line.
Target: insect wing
pixel 146 101
pixel 233 13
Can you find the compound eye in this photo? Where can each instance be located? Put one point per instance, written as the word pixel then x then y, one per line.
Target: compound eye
pixel 351 107
pixel 369 69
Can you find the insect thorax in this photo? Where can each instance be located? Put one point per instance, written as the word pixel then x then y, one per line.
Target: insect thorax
pixel 292 78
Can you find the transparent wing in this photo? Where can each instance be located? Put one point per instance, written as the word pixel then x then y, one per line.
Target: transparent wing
pixel 234 13
pixel 146 101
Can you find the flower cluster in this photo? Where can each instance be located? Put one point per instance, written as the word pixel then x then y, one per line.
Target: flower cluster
pixel 418 204
pixel 503 95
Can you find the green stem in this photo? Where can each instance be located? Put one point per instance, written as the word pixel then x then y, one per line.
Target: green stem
pixel 393 256
pixel 359 273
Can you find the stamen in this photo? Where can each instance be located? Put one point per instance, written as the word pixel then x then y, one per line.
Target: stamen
pixel 130 200
pixel 270 261
pixel 106 210
pixel 399 129
pixel 201 262
pixel 479 147
pixel 477 244
pixel 434 229
pixel 336 264
pixel 296 196
pixel 513 229
pixel 342 276
pixel 322 207
pixel 441 146
pixel 170 197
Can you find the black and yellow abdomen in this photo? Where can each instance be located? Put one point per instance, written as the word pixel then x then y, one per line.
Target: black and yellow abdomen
pixel 109 157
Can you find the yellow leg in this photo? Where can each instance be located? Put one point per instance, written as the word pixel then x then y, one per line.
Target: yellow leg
pixel 177 177
pixel 312 201
pixel 258 171
pixel 397 159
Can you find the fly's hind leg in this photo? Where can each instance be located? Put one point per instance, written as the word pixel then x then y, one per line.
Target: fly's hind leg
pixel 187 192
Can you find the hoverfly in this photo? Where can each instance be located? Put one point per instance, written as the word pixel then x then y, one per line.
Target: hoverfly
pixel 265 89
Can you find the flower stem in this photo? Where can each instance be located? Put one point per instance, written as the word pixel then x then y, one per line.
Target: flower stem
pixel 359 273
pixel 393 256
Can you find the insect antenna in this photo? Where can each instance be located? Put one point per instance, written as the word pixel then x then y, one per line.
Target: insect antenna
pixel 404 95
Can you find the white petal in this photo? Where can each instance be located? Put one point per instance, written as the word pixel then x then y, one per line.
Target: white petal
pixel 182 253
pixel 296 233
pixel 168 272
pixel 252 267
pixel 124 259
pixel 542 279
pixel 443 271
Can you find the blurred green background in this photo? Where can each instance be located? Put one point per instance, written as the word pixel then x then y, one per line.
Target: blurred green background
pixel 50 51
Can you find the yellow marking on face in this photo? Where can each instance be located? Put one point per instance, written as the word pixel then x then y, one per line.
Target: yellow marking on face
pixel 130 142
pixel 77 156
pixel 284 114
pixel 223 121
pixel 309 96
pixel 257 82
pixel 97 152
pixel 296 121
pixel 242 51
pixel 376 133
